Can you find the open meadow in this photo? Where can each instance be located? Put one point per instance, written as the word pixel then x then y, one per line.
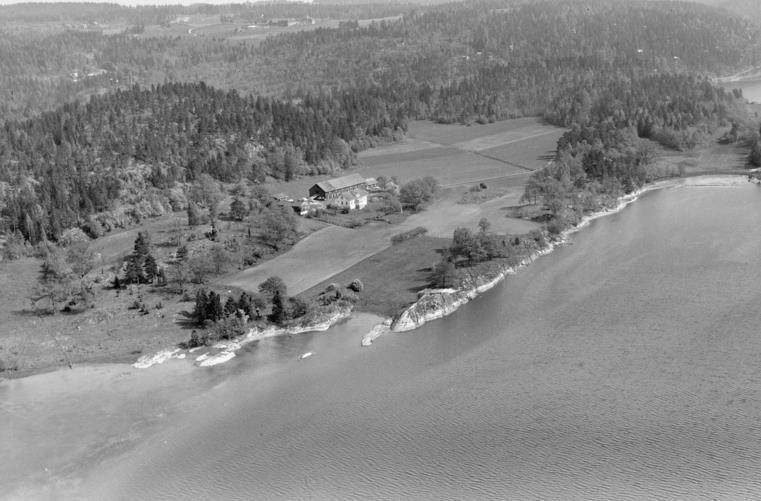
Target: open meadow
pixel 430 150
pixel 457 155
pixel 392 277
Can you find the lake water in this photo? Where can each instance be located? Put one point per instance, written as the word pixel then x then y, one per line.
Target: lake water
pixel 751 89
pixel 624 366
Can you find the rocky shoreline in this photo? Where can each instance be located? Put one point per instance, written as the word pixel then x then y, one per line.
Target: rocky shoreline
pixel 433 304
pixel 223 351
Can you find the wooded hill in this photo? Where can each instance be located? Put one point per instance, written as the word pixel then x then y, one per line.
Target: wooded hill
pixel 604 66
pixel 518 55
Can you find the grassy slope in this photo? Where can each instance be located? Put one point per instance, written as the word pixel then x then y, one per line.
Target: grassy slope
pixel 391 277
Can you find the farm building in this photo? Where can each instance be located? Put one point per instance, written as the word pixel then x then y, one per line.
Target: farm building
pixel 282 197
pixel 307 206
pixel 350 200
pixel 334 188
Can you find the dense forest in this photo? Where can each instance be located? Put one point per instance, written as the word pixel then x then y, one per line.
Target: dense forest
pixel 612 71
pixel 70 163
pixel 518 55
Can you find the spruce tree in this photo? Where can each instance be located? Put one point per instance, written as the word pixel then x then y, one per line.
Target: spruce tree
pixel 278 314
pixel 182 253
pixel 231 307
pixel 150 267
pixel 200 308
pixel 214 310
pixel 142 244
pixel 244 305
pixel 134 274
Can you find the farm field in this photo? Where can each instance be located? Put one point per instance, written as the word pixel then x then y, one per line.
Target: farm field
pixel 458 155
pixel 425 130
pixel 392 277
pixel 315 258
pixel 331 250
pixel 450 166
pixel 512 148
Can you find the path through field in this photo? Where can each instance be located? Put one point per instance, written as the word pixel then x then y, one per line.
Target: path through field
pixel 456 156
pixel 333 249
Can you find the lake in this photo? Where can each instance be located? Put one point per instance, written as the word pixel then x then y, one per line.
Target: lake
pixel 751 89
pixel 622 366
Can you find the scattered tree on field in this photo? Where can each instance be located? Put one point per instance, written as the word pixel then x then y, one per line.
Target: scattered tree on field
pixel 444 274
pixel 238 209
pixel 272 286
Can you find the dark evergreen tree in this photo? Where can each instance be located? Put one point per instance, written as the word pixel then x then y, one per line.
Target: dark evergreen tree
pixel 278 313
pixel 200 309
pixel 142 245
pixel 161 279
pixel 182 253
pixel 133 273
pixel 231 306
pixel 238 209
pixel 245 306
pixel 150 267
pixel 214 309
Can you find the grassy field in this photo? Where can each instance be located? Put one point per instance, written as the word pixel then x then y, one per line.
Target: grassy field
pixel 109 332
pixel 450 166
pixel 425 130
pixel 429 151
pixel 458 155
pixel 392 277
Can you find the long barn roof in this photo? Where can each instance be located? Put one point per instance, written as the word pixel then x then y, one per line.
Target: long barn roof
pixel 340 183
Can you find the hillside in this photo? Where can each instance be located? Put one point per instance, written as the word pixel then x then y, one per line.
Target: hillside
pixel 626 68
pixel 518 52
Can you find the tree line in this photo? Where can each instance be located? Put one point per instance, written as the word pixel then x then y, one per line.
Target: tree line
pixel 480 60
pixel 67 164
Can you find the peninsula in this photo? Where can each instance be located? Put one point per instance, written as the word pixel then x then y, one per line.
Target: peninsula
pixel 205 210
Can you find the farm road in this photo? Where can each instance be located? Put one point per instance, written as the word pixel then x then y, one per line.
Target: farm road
pixel 333 249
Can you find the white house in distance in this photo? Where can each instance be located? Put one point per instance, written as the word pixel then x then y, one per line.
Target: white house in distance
pixel 350 200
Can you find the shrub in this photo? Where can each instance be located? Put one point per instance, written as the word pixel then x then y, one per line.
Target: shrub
pixel 15 247
pixel 415 232
pixel 349 296
pixel 356 285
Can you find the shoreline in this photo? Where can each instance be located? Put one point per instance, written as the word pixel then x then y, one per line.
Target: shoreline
pixel 748 74
pixel 437 307
pixel 438 303
pixel 224 351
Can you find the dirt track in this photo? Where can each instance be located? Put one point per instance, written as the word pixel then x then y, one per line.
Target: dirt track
pixel 432 149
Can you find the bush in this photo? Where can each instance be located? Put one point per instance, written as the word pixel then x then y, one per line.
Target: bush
pixel 15 247
pixel 9 365
pixel 349 296
pixel 401 237
pixel 356 285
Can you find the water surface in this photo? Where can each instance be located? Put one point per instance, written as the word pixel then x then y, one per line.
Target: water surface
pixel 624 366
